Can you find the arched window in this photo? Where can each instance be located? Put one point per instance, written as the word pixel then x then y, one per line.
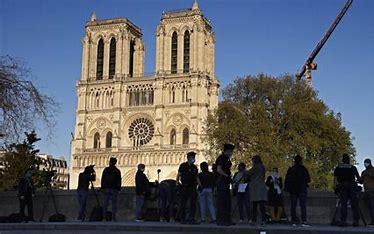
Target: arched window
pixel 112 58
pixel 108 140
pixel 186 136
pixel 186 52
pixel 173 137
pixel 131 58
pixel 174 52
pixel 100 60
pixel 96 143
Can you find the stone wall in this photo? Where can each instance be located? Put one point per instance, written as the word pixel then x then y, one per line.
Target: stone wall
pixel 321 205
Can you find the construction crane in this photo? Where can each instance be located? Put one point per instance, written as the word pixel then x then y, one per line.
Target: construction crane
pixel 309 65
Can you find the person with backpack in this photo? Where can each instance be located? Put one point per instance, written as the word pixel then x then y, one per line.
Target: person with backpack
pixel 206 180
pixel 111 185
pixel 241 190
pixel 296 183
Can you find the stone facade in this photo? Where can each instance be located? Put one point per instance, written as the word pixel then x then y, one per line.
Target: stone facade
pixel 138 118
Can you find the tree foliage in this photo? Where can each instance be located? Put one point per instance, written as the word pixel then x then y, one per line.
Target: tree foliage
pixel 22 105
pixel 277 118
pixel 19 158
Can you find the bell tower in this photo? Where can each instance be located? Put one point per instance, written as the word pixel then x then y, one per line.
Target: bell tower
pixel 112 48
pixel 185 43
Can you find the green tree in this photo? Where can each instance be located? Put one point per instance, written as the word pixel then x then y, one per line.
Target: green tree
pixel 18 158
pixel 277 118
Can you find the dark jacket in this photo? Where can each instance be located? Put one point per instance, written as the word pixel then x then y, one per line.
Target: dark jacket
pixel 111 178
pixel 84 181
pixel 207 179
pixel 142 183
pixel 297 179
pixel 25 187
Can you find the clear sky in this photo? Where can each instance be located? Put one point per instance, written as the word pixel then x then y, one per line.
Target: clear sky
pixel 252 36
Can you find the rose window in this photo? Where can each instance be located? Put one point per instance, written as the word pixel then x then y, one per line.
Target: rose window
pixel 141 131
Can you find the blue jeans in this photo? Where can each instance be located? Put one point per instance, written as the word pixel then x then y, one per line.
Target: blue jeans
pixel 301 197
pixel 243 201
pixel 206 198
pixel 139 206
pixel 82 199
pixel 110 194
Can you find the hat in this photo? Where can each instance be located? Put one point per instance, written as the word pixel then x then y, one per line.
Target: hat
pixel 191 154
pixel 228 147
pixel 141 166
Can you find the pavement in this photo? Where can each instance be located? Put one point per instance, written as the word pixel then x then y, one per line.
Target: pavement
pixel 171 228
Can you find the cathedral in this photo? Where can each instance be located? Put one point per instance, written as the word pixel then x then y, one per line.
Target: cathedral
pixel 135 117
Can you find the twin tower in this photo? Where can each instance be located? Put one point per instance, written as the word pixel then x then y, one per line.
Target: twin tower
pixel 152 119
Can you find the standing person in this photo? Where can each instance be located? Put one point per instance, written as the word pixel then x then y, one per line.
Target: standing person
pixel 367 178
pixel 241 190
pixel 206 180
pixel 142 188
pixel 82 191
pixel 296 183
pixel 187 176
pixel 111 185
pixel 275 197
pixel 223 186
pixel 25 195
pixel 345 185
pixel 258 188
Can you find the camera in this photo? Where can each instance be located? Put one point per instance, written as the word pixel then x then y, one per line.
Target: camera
pixel 48 176
pixel 91 172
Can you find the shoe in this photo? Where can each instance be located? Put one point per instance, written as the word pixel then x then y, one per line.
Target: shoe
pixel 139 220
pixel 263 223
pixel 241 221
pixel 294 224
pixel 213 221
pixel 183 222
pixel 355 224
pixel 305 224
pixel 202 221
pixel 251 222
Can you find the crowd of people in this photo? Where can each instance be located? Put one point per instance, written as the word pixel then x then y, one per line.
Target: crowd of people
pixel 211 191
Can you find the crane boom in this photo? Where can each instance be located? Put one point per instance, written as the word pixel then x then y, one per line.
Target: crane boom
pixel 322 42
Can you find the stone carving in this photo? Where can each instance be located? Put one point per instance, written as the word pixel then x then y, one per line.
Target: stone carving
pixel 178 119
pixel 100 124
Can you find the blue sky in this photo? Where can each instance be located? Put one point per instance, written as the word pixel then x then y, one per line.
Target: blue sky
pixel 252 36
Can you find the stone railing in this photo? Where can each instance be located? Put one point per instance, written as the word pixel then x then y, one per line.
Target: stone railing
pixel 320 205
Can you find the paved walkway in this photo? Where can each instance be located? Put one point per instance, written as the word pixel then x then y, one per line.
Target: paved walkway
pixel 171 228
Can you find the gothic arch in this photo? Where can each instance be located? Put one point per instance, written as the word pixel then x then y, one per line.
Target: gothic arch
pixel 172 30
